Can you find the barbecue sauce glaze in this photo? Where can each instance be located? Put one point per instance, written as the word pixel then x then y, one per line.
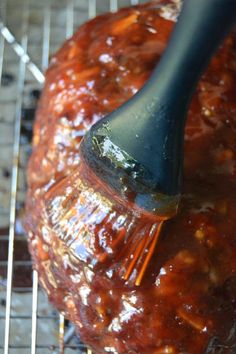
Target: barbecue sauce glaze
pixel 81 233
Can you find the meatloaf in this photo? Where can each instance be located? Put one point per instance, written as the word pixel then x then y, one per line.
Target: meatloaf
pixel 186 303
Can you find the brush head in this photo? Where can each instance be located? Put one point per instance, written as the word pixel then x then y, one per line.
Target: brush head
pixel 127 176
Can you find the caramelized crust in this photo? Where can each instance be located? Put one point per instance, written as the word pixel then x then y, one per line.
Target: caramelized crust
pixel 80 233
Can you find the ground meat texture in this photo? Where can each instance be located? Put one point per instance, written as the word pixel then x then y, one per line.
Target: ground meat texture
pixel 186 301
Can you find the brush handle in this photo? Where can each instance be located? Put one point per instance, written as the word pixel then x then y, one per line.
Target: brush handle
pixel 201 27
pixel 150 126
pixel 138 148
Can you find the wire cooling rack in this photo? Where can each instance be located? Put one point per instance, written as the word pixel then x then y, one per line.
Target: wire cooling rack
pixel 30 31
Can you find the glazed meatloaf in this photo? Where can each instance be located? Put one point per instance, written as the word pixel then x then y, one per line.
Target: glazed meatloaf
pixel 186 303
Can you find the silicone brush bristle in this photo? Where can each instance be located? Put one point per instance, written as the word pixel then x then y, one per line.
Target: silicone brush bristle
pixel 101 229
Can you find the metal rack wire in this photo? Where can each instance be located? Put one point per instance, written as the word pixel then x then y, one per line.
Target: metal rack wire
pixel 27 54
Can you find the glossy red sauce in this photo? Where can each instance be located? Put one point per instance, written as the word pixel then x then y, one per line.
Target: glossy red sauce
pixel 80 233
